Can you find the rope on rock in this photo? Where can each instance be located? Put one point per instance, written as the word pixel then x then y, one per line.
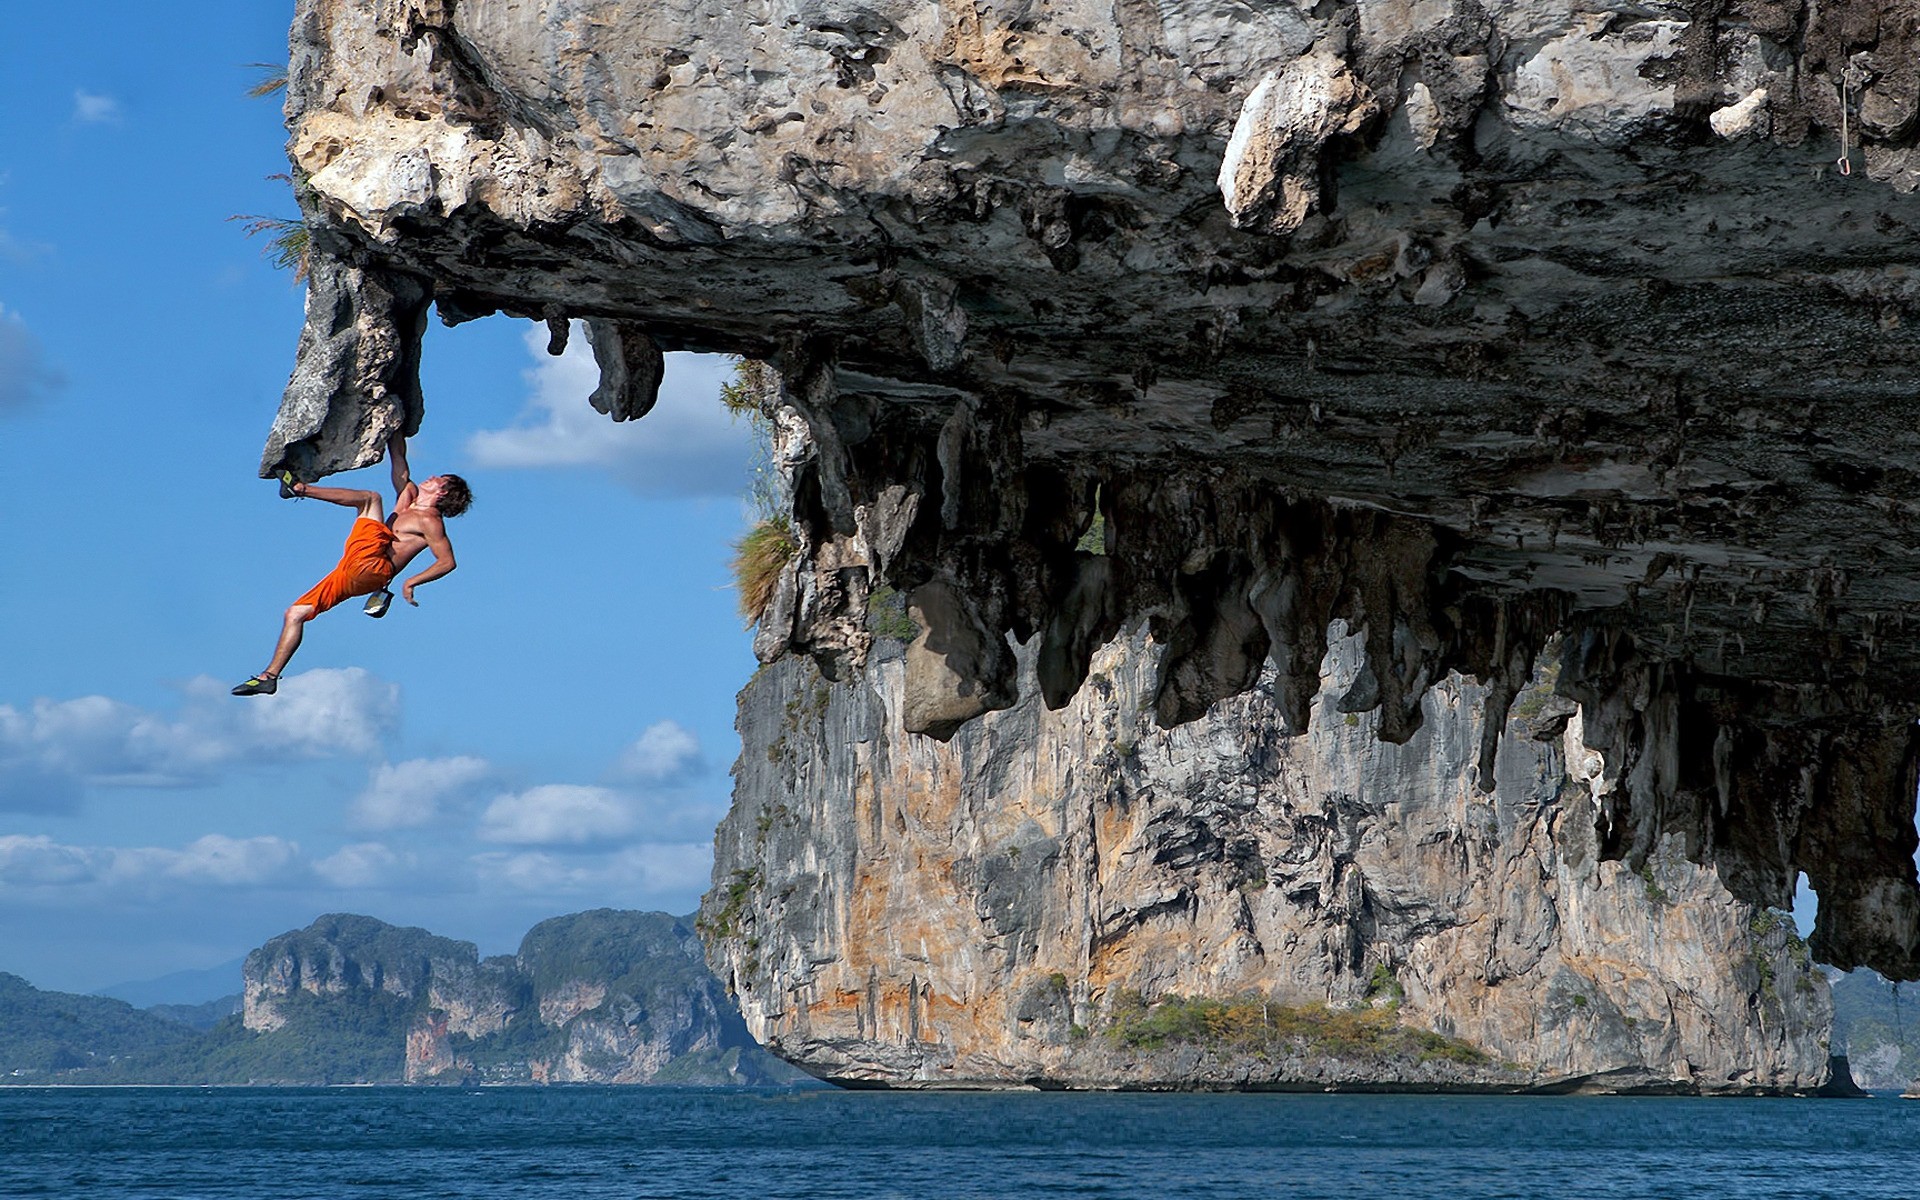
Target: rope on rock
pixel 1854 78
pixel 1845 161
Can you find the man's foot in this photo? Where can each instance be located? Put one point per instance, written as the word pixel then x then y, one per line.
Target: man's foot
pixel 259 685
pixel 378 602
pixel 287 482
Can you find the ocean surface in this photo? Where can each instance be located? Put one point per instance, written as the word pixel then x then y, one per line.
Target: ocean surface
pixel 589 1143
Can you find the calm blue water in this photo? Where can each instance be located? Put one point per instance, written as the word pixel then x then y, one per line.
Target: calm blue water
pixel 585 1144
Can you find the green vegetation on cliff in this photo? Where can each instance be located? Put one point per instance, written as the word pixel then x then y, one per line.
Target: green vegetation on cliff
pixel 324 1041
pixel 1253 1024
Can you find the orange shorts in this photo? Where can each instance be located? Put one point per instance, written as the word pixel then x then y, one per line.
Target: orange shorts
pixel 364 567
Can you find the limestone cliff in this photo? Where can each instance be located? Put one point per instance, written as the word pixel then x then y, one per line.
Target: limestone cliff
pixel 595 997
pixel 890 909
pixel 1466 322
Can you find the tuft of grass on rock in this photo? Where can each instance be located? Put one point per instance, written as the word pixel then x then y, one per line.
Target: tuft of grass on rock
pixel 272 81
pixel 887 615
pixel 758 558
pixel 287 242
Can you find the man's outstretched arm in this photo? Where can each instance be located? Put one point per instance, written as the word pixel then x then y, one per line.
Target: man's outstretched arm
pixel 442 564
pixel 403 488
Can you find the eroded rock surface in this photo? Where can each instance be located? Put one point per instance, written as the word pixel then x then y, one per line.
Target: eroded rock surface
pixel 891 909
pixel 1466 323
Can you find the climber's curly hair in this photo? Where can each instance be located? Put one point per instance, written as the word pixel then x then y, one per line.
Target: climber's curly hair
pixel 455 498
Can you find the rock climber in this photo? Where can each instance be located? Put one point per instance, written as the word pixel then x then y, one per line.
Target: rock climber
pixel 376 552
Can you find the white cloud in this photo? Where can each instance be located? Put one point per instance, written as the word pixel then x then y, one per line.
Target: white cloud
pixel 557 814
pixel 95 109
pixel 52 748
pixel 41 860
pixel 665 750
pixel 411 794
pixel 213 859
pixel 318 713
pixel 661 869
pixel 217 858
pixel 689 445
pixel 25 374
pixel 364 865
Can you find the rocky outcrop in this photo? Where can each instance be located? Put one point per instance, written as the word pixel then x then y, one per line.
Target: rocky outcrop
pixel 890 909
pixel 1466 323
pixel 594 997
pixel 346 955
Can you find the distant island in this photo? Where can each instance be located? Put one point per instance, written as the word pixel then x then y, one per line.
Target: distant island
pixel 1877 1026
pixel 605 996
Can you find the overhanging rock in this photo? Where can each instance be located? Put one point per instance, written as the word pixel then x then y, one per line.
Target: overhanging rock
pixel 1511 320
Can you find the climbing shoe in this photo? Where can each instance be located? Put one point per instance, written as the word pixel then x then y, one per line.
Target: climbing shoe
pixel 377 603
pixel 286 485
pixel 259 685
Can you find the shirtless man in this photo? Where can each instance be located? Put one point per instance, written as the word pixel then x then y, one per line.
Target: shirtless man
pixel 376 552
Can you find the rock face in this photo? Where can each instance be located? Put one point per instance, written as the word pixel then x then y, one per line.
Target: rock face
pixel 889 909
pixel 1466 323
pixel 595 997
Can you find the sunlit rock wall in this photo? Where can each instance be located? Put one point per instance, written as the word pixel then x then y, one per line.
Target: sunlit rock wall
pixel 896 910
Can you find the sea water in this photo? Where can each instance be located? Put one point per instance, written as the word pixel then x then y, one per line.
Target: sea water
pixel 590 1143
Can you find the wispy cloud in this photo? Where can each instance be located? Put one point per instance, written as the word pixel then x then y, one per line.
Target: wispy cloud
pixel 689 445
pixel 665 752
pixel 366 865
pixel 52 749
pixel 214 859
pixel 13 250
pixel 662 869
pixel 25 374
pixel 411 794
pixel 559 814
pixel 94 108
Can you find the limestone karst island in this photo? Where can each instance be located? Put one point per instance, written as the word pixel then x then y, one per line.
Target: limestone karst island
pixel 1354 545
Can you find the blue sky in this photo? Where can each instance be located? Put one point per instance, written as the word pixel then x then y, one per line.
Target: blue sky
pixel 550 730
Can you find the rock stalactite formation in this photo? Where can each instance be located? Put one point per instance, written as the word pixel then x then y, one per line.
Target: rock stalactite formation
pixel 1465 323
pixel 892 910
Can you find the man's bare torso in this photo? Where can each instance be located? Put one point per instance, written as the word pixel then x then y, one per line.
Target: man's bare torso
pixel 411 528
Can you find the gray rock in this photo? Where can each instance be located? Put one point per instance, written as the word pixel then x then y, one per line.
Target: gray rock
pixel 956 668
pixel 893 910
pixel 631 368
pixel 1463 323
pixel 356 379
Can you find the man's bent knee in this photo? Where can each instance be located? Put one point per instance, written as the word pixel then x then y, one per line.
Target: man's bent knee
pixel 300 613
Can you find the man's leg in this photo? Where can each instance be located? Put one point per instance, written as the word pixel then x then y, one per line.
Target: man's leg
pixel 293 626
pixel 291 630
pixel 370 504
